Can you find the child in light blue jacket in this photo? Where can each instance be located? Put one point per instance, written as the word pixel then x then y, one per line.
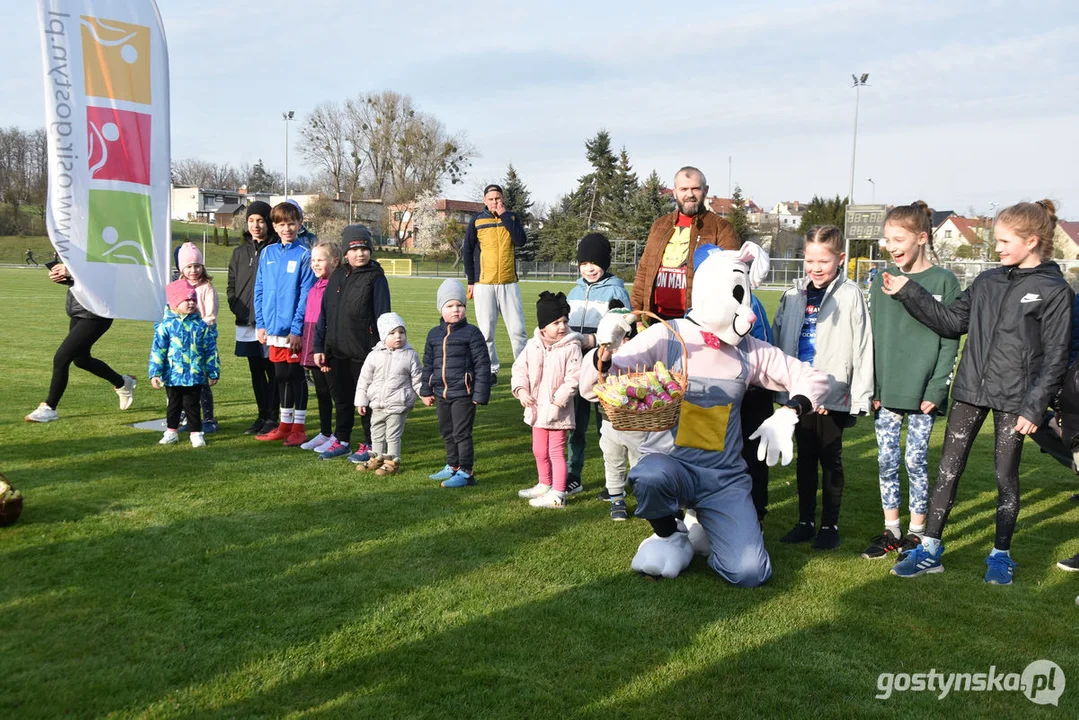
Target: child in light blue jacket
pixel 596 292
pixel 183 359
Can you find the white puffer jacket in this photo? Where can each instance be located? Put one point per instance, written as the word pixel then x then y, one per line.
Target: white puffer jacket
pixel 389 380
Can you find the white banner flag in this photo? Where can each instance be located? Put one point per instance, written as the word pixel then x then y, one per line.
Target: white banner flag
pixel 107 120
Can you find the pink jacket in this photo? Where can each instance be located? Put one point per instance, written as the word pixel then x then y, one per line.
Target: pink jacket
pixel 549 374
pixel 206 297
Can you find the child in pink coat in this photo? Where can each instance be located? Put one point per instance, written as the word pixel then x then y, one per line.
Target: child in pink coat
pixel 545 381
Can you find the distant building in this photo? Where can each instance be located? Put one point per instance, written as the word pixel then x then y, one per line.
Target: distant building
pixel 1066 240
pixel 958 237
pixel 195 204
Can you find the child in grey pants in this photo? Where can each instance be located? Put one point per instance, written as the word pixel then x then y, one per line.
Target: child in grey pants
pixel 388 387
pixel 620 453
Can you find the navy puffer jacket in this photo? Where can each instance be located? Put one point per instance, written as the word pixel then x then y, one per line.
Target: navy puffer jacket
pixel 456 363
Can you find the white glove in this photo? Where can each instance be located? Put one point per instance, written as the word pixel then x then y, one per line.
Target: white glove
pixel 777 437
pixel 613 328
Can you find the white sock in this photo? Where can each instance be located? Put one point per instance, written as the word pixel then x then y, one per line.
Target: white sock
pixel 286 416
pixel 299 416
pixel 916 529
pixel 998 551
pixel 894 527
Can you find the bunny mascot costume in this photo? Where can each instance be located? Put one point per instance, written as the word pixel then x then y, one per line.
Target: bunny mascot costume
pixel 698 463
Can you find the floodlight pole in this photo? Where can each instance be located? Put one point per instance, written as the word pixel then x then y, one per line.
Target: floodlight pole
pixel 286 116
pixel 858 83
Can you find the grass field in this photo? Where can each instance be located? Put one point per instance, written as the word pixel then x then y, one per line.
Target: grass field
pixel 247 580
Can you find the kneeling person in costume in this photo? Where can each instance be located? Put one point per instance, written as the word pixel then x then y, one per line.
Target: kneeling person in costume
pixel 698 463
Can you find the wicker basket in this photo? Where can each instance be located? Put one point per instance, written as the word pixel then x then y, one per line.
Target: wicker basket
pixel 9 509
pixel 654 419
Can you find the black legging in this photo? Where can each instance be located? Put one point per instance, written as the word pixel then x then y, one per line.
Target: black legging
pixel 291 385
pixel 820 440
pixel 964 422
pixel 757 406
pixel 264 386
pixel 325 401
pixel 346 373
pixel 81 336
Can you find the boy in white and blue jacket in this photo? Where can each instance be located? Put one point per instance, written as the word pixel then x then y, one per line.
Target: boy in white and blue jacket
pixel 596 292
pixel 183 359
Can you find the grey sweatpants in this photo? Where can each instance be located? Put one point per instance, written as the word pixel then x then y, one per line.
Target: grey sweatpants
pixel 492 300
pixel 386 431
pixel 619 449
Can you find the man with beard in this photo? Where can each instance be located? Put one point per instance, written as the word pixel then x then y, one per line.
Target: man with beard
pixel 665 274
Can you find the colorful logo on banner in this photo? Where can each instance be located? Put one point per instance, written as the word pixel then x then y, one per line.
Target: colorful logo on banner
pixel 116 67
pixel 119 145
pixel 116 60
pixel 120 228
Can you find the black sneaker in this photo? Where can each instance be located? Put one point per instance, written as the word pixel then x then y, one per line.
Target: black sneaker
pixel 268 426
pixel 910 542
pixel 802 532
pixel 573 485
pixel 827 538
pixel 618 510
pixel 604 495
pixel 494 379
pixel 256 427
pixel 1070 565
pixel 880 546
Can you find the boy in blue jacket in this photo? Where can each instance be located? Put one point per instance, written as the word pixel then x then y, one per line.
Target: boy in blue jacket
pixel 456 378
pixel 596 292
pixel 282 282
pixel 183 359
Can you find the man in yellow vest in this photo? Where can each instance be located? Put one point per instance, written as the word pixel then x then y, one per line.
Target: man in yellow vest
pixel 490 266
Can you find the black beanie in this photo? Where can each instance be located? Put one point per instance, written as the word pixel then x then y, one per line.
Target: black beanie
pixel 259 208
pixel 595 248
pixel 550 307
pixel 355 236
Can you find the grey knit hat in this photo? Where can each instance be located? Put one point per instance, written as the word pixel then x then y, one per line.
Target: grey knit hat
pixel 451 290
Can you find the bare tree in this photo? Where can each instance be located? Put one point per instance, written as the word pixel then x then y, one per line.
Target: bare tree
pixel 329 144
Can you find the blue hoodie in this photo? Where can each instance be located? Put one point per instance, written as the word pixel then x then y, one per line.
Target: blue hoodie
pixel 184 351
pixel 589 303
pixel 281 285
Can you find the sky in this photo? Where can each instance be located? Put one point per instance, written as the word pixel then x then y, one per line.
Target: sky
pixel 969 102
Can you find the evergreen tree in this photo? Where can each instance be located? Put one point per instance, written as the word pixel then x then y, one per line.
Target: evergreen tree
pixel 648 204
pixel 259 180
pixel 519 200
pixel 737 216
pixel 824 211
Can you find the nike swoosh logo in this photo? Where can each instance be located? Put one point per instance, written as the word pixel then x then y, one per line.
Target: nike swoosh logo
pixel 1030 297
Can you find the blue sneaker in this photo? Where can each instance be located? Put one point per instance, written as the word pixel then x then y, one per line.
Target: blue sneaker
pixel 209 426
pixel 459 479
pixel 444 474
pixel 918 562
pixel 362 454
pixel 1001 569
pixel 336 450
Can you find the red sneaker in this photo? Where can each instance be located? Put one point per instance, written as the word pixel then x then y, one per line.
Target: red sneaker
pixel 297 436
pixel 278 433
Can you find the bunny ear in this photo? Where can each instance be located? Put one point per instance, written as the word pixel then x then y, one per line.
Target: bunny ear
pixel 754 255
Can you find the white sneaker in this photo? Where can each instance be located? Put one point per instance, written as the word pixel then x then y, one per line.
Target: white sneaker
pixel 326 445
pixel 314 442
pixel 534 492
pixel 553 500
pixel 171 437
pixel 127 396
pixel 43 414
pixel 197 440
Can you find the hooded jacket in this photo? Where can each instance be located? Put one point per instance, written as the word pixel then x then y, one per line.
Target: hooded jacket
pixel 390 379
pixel 589 303
pixel 351 304
pixel 184 350
pixel 456 363
pixel 243 266
pixel 488 250
pixel 549 375
pixel 1018 323
pixel 844 342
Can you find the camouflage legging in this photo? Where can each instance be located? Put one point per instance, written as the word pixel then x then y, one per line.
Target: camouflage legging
pixel 919 426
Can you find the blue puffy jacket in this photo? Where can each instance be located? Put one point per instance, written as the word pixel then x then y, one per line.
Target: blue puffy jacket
pixel 184 352
pixel 589 303
pixel 281 285
pixel 456 363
